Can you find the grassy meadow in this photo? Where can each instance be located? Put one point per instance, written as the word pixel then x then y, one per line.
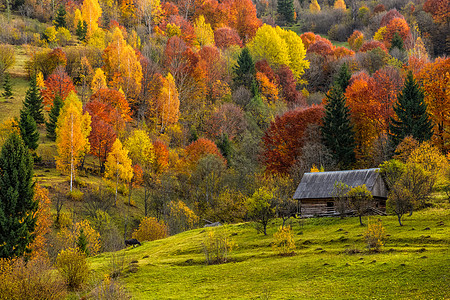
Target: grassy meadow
pixel 330 262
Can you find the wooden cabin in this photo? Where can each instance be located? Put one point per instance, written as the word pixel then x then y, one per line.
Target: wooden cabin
pixel 316 189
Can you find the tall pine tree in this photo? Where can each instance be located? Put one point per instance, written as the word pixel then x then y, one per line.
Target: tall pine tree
pixel 411 114
pixel 28 129
pixel 17 205
pixel 285 9
pixel 81 30
pixel 343 77
pixel 53 118
pixel 60 20
pixel 33 102
pixel 244 69
pixel 337 129
pixel 7 94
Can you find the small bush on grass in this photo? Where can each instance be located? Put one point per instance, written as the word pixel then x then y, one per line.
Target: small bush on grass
pixel 109 289
pixel 284 243
pixel 150 229
pixel 31 280
pixel 73 266
pixel 375 236
pixel 75 195
pixel 217 245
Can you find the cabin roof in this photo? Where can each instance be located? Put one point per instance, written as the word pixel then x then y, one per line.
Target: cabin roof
pixel 319 185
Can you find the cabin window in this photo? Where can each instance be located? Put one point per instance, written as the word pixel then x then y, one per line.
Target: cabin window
pixel 330 204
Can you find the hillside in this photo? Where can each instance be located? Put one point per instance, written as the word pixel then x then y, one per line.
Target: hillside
pixel 413 264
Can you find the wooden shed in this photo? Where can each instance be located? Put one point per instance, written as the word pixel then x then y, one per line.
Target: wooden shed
pixel 316 189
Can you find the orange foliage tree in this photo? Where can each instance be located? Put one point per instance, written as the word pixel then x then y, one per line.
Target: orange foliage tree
pixel 225 37
pixel 356 40
pixel 370 45
pixel 439 9
pixel 242 17
pixel 161 161
pixel 283 140
pixel 397 25
pixel 435 79
pixel 201 148
pixel 166 102
pixel 43 222
pixel 228 119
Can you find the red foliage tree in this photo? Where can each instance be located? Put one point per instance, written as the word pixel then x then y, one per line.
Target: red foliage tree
pixel 283 140
pixel 161 161
pixel 379 8
pixel 225 37
pixel 389 16
pixel 264 67
pixel 228 119
pixel 439 9
pixel 116 99
pixel 58 83
pixel 397 25
pixel 288 85
pixel 370 45
pixel 322 47
pixel 242 17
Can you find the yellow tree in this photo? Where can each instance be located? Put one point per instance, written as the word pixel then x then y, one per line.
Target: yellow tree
pixel 314 7
pixel 118 165
pixel 72 131
pixel 98 81
pixel 149 11
pixel 91 12
pixel 122 67
pixel 340 4
pixel 203 32
pixel 140 148
pixel 167 104
pixel 267 44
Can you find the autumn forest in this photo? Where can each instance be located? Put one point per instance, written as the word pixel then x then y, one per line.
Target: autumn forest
pixel 144 119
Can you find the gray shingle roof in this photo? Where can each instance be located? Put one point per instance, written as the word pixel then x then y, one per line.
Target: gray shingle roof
pixel 321 184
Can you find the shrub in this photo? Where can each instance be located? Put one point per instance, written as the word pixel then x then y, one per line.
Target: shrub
pixel 109 289
pixel 284 243
pixel 150 229
pixel 31 280
pixel 217 245
pixel 73 266
pixel 75 195
pixel 375 235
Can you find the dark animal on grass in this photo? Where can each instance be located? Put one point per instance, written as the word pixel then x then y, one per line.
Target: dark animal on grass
pixel 132 242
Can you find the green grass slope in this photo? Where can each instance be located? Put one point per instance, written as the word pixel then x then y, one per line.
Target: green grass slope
pixel 414 263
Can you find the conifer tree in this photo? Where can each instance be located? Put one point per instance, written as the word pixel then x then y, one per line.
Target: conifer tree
pixel 337 129
pixel 285 9
pixel 82 242
pixel 81 30
pixel 343 77
pixel 60 20
pixel 411 114
pixel 397 42
pixel 28 129
pixel 17 204
pixel 7 94
pixel 244 69
pixel 53 118
pixel 33 102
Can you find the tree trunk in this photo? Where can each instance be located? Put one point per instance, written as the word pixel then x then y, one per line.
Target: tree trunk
pixel 399 219
pixel 360 220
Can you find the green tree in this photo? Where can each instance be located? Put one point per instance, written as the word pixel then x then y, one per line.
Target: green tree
pixel 360 200
pixel 285 9
pixel 53 117
pixel 411 114
pixel 82 242
pixel 343 77
pixel 17 203
pixel 60 20
pixel 337 129
pixel 81 30
pixel 28 129
pixel 7 86
pixel 260 207
pixel 244 69
pixel 33 101
pixel 397 42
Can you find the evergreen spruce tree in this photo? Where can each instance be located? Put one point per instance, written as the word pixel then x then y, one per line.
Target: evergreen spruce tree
pixel 53 118
pixel 244 69
pixel 337 129
pixel 33 102
pixel 397 42
pixel 411 114
pixel 82 242
pixel 285 9
pixel 343 77
pixel 17 206
pixel 28 129
pixel 81 30
pixel 60 20
pixel 7 86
